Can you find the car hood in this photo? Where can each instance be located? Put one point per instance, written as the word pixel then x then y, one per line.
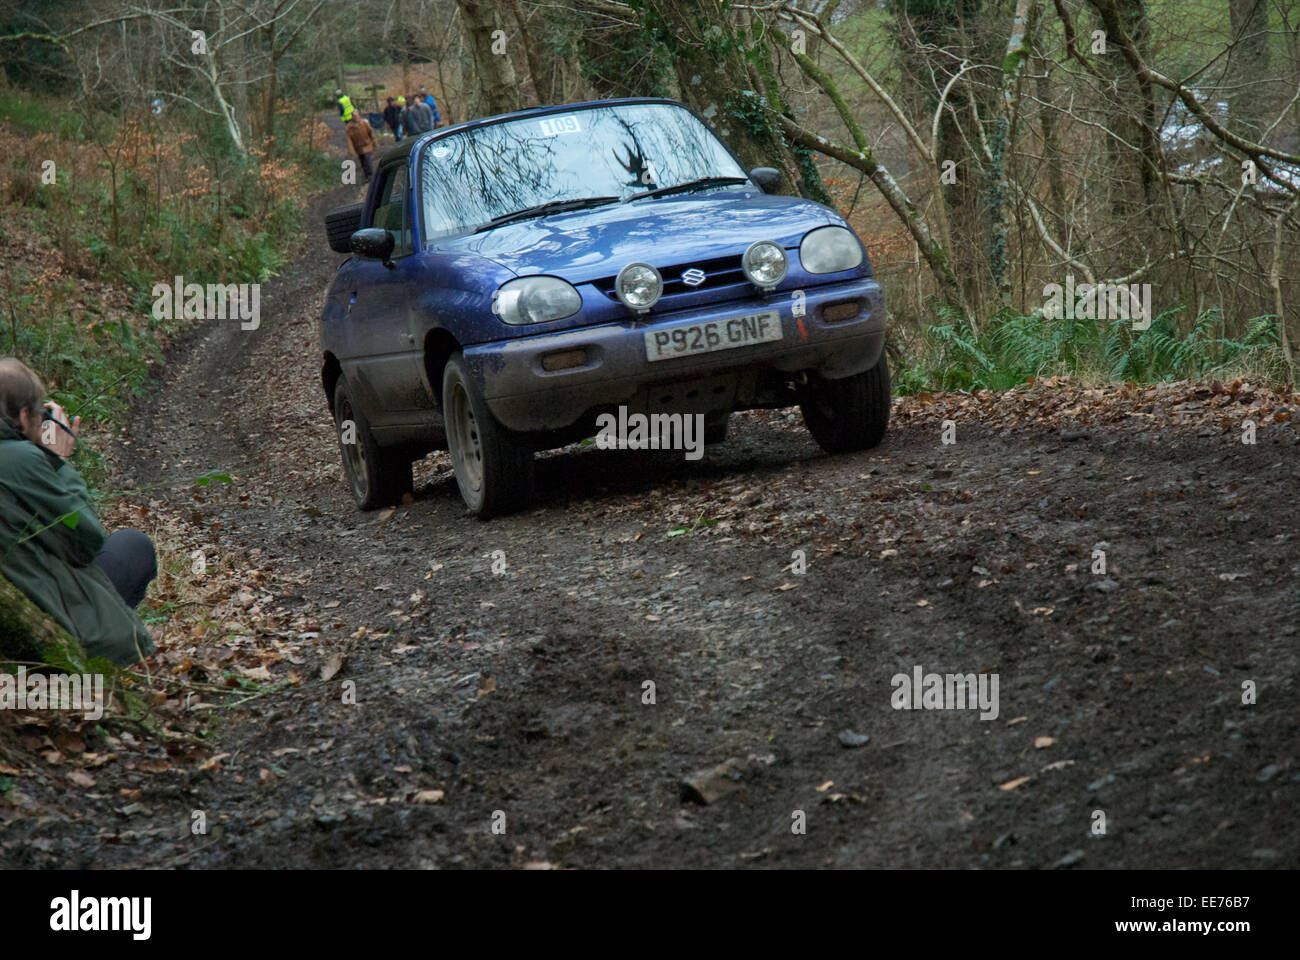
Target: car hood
pixel 585 245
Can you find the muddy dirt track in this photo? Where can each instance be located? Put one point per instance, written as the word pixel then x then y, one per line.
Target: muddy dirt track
pixel 517 697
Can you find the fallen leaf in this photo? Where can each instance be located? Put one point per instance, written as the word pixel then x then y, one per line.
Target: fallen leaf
pixel 259 674
pixel 213 763
pixel 1041 742
pixel 429 796
pixel 1012 784
pixel 332 665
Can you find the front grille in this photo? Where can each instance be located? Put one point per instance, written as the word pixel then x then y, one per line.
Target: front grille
pixel 719 272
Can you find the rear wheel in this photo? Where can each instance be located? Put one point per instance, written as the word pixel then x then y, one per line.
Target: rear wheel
pixel 494 469
pixel 848 414
pixel 376 477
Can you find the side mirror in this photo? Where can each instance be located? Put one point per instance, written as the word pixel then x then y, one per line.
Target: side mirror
pixel 767 178
pixel 374 243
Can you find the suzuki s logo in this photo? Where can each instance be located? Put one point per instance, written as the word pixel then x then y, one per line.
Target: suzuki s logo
pixel 693 277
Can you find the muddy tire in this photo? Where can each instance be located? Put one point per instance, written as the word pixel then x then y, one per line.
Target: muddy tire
pixel 848 414
pixel 376 477
pixel 494 470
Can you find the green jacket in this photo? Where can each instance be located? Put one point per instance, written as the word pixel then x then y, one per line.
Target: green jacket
pixel 54 568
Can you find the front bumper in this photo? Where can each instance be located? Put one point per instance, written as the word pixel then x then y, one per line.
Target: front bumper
pixel 527 398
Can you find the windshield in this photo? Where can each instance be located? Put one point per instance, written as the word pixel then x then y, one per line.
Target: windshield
pixel 472 177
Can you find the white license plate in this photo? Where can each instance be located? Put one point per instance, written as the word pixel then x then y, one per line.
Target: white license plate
pixel 691 338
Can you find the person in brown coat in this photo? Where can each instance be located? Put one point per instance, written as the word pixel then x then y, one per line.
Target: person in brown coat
pixel 362 140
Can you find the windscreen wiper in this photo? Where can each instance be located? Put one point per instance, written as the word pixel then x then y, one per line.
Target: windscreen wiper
pixel 699 184
pixel 541 209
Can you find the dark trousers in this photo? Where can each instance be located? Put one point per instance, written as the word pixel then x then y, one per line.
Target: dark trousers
pixel 367 166
pixel 129 559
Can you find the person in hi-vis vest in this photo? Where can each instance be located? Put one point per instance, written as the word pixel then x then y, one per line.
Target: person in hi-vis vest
pixel 345 105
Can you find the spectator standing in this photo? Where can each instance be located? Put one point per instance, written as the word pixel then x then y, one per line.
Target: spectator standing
pixel 428 99
pixel 393 119
pixel 362 140
pixel 417 118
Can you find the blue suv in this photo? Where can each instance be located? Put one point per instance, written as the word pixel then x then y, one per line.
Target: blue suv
pixel 514 278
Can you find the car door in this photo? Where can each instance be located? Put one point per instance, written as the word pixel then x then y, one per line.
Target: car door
pixel 390 371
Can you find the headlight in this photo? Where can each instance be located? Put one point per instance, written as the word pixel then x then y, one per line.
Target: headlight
pixel 830 250
pixel 765 264
pixel 639 286
pixel 536 300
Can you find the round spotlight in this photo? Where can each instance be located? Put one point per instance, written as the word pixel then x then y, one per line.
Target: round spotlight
pixel 639 286
pixel 765 264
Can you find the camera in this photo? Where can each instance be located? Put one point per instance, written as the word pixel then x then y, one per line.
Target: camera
pixel 47 415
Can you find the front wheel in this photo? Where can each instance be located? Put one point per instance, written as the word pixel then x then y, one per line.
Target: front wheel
pixel 494 470
pixel 848 414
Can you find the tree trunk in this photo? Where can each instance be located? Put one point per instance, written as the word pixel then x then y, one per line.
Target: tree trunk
pixel 530 53
pixel 29 636
pixel 271 93
pixel 1134 117
pixel 1275 281
pixel 1250 65
pixel 1002 147
pixel 497 86
pixel 934 41
pixel 1051 143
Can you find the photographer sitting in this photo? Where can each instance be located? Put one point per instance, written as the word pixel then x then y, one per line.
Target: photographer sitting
pixel 88 582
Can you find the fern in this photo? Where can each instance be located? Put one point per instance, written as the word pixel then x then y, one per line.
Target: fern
pixel 1013 346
